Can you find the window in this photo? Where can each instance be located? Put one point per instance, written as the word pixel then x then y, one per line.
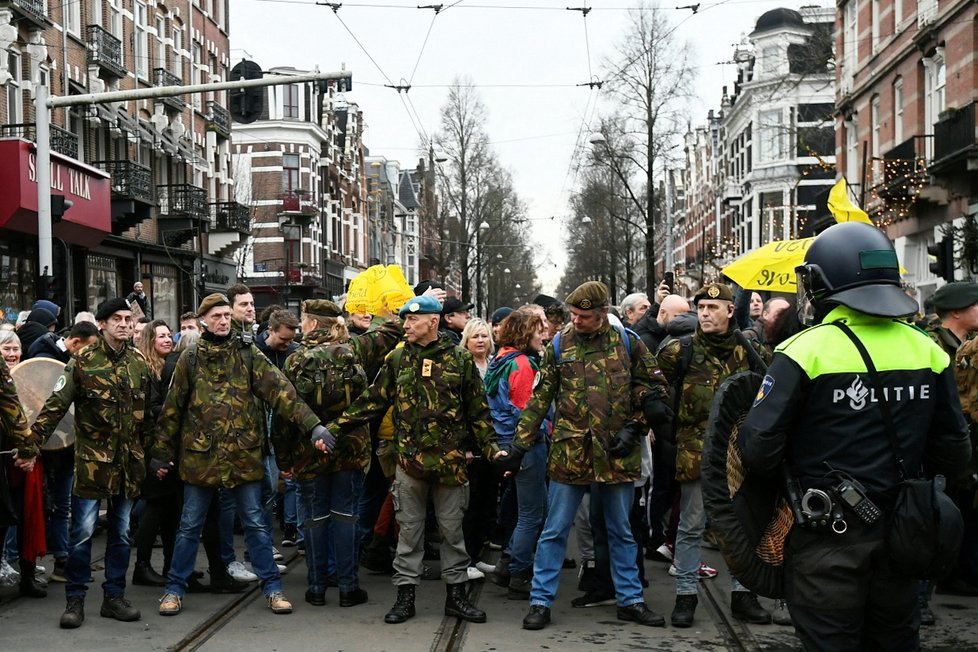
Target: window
pixel 874 146
pixel 875 24
pixel 290 172
pixel 178 50
pixel 898 110
pixel 72 13
pixel 770 60
pixel 115 17
pixel 934 81
pixel 96 15
pixel 771 134
pixel 15 94
pixel 103 279
pixel 852 153
pixel 290 102
pixel 897 14
pixel 160 43
pixel 195 98
pixel 849 39
pixel 140 41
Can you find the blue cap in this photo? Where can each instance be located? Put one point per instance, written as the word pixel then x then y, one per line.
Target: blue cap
pixel 50 306
pixel 421 306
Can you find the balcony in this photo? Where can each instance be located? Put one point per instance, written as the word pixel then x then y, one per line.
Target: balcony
pixel 230 216
pixel 182 213
pixel 220 120
pixel 32 10
pixel 902 171
pixel 132 193
pixel 62 140
pixel 105 51
pixel 296 208
pixel 956 142
pixel 163 77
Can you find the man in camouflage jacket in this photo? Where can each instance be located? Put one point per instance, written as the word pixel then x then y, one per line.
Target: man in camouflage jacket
pixel 214 413
pixel 439 407
pixel 715 355
pixel 329 486
pixel 14 433
pixel 109 384
pixel 606 395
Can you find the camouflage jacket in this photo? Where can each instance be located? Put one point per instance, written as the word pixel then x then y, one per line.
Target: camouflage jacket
pixel 438 405
pixel 14 431
pixel 293 450
pixel 944 338
pixel 715 358
pixel 214 412
pixel 110 390
pixel 596 387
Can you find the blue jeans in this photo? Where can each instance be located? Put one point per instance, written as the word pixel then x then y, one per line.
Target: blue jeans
pixel 258 537
pixel 269 490
pixel 60 475
pixel 290 515
pixel 689 539
pixel 332 496
pixel 78 568
pixel 226 525
pixel 563 502
pixel 531 500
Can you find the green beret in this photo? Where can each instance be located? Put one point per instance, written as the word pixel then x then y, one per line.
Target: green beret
pixel 955 296
pixel 321 308
pixel 714 291
pixel 212 301
pixel 588 296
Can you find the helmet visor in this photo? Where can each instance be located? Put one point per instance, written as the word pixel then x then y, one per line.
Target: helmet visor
pixel 803 298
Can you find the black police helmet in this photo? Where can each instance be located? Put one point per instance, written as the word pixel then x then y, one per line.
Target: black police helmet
pixel 854 264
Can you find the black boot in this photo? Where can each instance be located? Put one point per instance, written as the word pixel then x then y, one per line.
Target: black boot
pixel 29 586
pixel 404 605
pixel 744 606
pixel 519 584
pixel 119 608
pixel 222 582
pixel 538 618
pixel 585 580
pixel 682 614
pixel 74 614
pixel 458 605
pixel 500 576
pixel 144 575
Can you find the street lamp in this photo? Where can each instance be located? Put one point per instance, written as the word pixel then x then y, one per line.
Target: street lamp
pixel 478 266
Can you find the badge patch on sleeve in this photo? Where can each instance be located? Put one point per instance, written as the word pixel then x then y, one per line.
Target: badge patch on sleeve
pixel 61 383
pixel 764 390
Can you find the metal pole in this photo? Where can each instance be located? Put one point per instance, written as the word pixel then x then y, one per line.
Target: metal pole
pixel 45 256
pixel 478 271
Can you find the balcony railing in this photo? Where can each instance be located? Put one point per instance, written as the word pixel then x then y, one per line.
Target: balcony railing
pixel 230 216
pixel 130 180
pixel 901 172
pixel 163 77
pixel 220 120
pixel 105 51
pixel 62 140
pixel 182 200
pixel 32 10
pixel 955 134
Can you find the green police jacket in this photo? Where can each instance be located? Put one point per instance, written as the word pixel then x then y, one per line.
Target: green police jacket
pixel 110 390
pixel 596 387
pixel 213 412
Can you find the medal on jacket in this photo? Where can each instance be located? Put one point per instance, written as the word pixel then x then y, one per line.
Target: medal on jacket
pixel 426 368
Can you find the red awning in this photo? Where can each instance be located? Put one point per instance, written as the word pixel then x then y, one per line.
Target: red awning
pixel 89 219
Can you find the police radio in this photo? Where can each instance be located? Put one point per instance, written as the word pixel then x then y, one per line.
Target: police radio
pixel 854 495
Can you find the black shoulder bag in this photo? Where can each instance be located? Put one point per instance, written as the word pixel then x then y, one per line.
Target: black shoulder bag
pixel 926 526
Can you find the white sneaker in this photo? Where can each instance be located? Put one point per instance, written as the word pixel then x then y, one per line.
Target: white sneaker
pixel 276 555
pixel 282 568
pixel 485 568
pixel 475 574
pixel 238 571
pixel 9 576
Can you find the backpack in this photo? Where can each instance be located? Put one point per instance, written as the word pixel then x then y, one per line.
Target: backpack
pixel 331 378
pixel 622 331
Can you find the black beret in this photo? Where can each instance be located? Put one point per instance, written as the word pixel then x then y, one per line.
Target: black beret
pixel 956 296
pixel 110 307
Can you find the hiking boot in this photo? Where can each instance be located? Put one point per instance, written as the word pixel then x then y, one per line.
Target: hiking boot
pixel 119 608
pixel 593 599
pixel 278 604
pixel 745 607
pixel 403 606
pixel 194 585
pixel 170 604
pixel 144 575
pixel 781 615
pixel 458 605
pixel 519 584
pixel 315 598
pixel 538 618
pixel 585 582
pixel 74 614
pixel 353 598
pixel 682 613
pixel 641 614
pixel 224 583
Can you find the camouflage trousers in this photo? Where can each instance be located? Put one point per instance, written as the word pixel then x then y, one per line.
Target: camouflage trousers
pixel 410 496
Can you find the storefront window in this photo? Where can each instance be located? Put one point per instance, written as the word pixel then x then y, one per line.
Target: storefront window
pixel 103 280
pixel 16 285
pixel 160 282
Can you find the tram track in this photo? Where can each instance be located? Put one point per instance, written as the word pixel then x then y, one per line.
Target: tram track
pixel 736 637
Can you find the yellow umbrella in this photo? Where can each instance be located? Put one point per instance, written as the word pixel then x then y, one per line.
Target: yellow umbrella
pixel 771 267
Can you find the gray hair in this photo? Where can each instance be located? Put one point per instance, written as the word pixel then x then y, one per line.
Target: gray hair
pixel 84 315
pixel 629 302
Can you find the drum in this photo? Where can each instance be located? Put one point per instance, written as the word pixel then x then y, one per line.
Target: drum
pixel 35 380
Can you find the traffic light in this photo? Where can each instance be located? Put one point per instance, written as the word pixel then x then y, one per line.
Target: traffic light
pixel 943 254
pixel 247 104
pixel 59 206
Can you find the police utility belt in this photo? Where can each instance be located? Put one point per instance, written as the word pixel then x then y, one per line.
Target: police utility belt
pixel 826 509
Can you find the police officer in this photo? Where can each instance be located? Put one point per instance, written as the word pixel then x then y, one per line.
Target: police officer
pixel 438 403
pixel 109 383
pixel 607 392
pixel 817 414
pixel 696 365
pixel 214 414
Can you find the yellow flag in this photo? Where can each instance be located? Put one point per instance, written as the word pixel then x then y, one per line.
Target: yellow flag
pixel 842 207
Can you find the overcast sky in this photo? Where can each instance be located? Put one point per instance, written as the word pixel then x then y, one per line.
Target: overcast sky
pixel 526 57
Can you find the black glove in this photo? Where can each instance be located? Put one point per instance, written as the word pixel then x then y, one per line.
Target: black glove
pixel 321 433
pixel 511 461
pixel 155 465
pixel 627 438
pixel 658 413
